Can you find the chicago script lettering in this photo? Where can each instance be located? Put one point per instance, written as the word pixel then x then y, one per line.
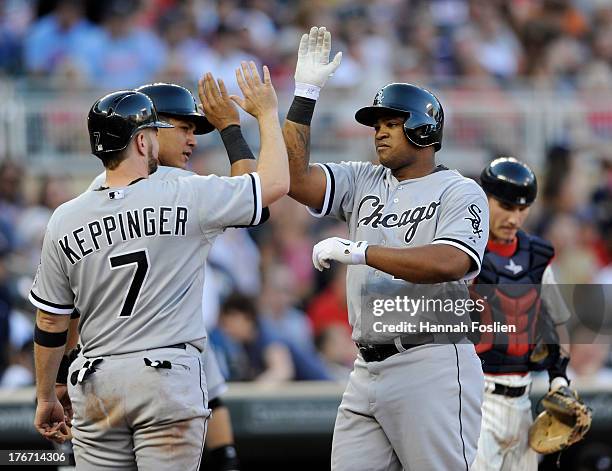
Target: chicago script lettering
pixel 411 217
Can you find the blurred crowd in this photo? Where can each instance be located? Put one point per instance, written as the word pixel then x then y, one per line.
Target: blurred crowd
pixel 270 315
pixel 552 44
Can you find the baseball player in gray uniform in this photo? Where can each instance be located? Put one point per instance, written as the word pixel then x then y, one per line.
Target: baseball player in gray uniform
pixel 129 258
pixel 177 106
pixel 411 401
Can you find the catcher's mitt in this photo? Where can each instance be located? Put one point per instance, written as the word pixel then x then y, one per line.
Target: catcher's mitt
pixel 565 421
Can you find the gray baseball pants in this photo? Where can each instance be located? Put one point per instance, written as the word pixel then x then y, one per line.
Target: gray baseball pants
pixel 129 416
pixel 419 410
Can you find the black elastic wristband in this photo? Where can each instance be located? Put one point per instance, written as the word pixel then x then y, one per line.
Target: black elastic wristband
pixel 215 403
pixel 235 145
pixel 224 458
pixel 75 314
pixel 49 339
pixel 301 110
pixel 62 373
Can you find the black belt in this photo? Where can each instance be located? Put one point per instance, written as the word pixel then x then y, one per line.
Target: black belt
pixel 509 391
pixel 380 352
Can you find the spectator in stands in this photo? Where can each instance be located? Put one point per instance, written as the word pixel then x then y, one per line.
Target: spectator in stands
pixel 178 31
pixel 20 372
pixel 601 202
pixel 126 55
pixel 338 351
pixel 246 350
pixel 11 36
pixel 286 322
pixel 227 47
pixel 30 228
pixel 488 43
pixel 63 37
pixel 277 302
pixel 291 243
pixel 329 307
pixel 11 192
pixel 590 358
pixel 5 310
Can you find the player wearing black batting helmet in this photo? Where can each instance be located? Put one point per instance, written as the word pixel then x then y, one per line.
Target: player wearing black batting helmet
pixel 158 321
pixel 175 101
pixel 411 223
pixel 424 115
pixel 115 118
pixel 510 181
pixel 518 288
pixel 177 105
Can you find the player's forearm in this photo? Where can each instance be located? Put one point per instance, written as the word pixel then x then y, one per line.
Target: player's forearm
pixel 242 167
pixel 73 336
pixel 427 264
pixel 241 157
pixel 272 165
pixel 307 184
pixel 47 358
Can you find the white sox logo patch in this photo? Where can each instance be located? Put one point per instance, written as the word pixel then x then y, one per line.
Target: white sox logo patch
pixel 411 217
pixel 475 211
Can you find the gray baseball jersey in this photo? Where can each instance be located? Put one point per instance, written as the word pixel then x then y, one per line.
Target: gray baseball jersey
pixel 130 259
pixel 214 378
pixel 162 173
pixel 440 208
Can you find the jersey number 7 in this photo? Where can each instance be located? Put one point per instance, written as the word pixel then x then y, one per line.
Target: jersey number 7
pixel 140 260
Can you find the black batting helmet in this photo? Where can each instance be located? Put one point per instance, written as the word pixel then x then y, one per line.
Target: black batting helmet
pixel 510 181
pixel 173 100
pixel 115 118
pixel 424 115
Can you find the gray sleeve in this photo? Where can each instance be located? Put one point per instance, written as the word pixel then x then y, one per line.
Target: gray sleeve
pixel 464 223
pixel 226 201
pixel 339 190
pixel 51 290
pixel 553 299
pixel 97 182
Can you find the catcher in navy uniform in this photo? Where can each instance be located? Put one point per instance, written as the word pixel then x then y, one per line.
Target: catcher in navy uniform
pixel 518 284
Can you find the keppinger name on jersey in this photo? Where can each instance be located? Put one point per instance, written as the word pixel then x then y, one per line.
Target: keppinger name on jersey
pixel 128 225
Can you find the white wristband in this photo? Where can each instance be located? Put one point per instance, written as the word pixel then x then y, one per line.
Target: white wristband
pixel 307 91
pixel 358 255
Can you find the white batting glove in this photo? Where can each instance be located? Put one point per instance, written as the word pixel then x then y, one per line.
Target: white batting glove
pixel 340 250
pixel 313 66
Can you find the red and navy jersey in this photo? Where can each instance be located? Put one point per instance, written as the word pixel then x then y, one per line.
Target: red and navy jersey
pixel 509 282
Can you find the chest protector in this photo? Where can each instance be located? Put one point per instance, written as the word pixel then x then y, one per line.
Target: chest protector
pixel 510 287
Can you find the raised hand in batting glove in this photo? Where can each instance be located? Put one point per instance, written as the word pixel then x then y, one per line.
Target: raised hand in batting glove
pixel 313 67
pixel 339 250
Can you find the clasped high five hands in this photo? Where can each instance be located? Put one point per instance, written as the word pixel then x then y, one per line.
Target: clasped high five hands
pixel 259 96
